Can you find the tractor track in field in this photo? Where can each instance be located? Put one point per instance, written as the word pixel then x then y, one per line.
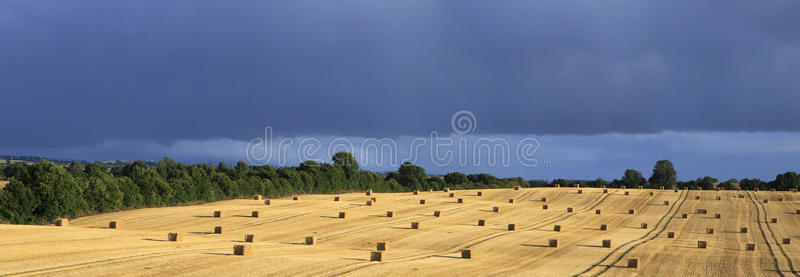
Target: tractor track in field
pixel 754 200
pixel 669 215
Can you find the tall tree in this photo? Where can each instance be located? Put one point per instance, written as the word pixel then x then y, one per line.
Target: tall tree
pixel 663 174
pixel 632 178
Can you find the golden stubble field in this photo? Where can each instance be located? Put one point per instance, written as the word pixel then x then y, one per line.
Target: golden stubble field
pixel 343 246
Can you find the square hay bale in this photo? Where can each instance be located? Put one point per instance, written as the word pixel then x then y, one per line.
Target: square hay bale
pixel 661 187
pixel 219 230
pixel 553 243
pixel 641 187
pixel 702 211
pixel 797 211
pixel 557 228
pixel 606 243
pixel 257 197
pixel 603 227
pixel 697 197
pixel 577 185
pixel 631 211
pixel 219 214
pixel 633 263
pixel 671 235
pixel 512 227
pixel 699 188
pixel 311 240
pixel 389 213
pixel 774 220
pixel 511 200
pixel 267 202
pixel 176 237
pixel 741 195
pixel 255 214
pixel 684 215
pixel 743 230
pixel 336 198
pixel 466 254
pixel 451 195
pixel 369 202
pixel 422 201
pixel 369 192
pixel 675 190
pixel 717 216
pixel 719 197
pixel 597 211
pixel 374 199
pixel 114 225
pixel 480 193
pixel 569 210
pixel 377 256
pixel 415 225
pixel 430 190
pixel 644 225
pixel 250 238
pixel 461 200
pixel 780 198
pixel 416 192
pixel 787 240
pixel 544 199
pixel 766 200
pixel 651 193
pixel 666 203
pixel 710 231
pixel 627 193
pixel 580 191
pixel 496 209
pixel 382 246
pixel 295 198
pixel 446 189
pixel 517 188
pixel 243 250
pixel 605 190
pixel 750 247
pixel 481 222
pixel 437 213
pixel 342 215
pixel 544 207
pixel 702 244
pixel 558 185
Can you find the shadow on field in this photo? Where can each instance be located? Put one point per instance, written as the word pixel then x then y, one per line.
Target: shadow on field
pixel 443 256
pixel 355 259
pixel 220 254
pixel 589 245
pixel 401 228
pixel 327 216
pixel 535 245
pixel 149 239
pixel 203 216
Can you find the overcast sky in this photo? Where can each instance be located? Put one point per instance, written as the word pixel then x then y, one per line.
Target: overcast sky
pixel 601 85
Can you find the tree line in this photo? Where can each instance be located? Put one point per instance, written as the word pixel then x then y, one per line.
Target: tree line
pixel 43 191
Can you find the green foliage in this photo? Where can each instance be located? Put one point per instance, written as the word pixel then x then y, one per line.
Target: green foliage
pixel 663 175
pixel 632 178
pixel 43 191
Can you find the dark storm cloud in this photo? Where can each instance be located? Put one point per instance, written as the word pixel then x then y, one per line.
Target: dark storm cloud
pixel 81 72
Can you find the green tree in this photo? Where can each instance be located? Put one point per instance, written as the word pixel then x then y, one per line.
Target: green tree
pixel 786 181
pixel 18 204
pixel 456 178
pixel 412 177
pixel 346 161
pixel 632 178
pixel 663 175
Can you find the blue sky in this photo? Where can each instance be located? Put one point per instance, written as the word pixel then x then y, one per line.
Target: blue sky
pixel 603 86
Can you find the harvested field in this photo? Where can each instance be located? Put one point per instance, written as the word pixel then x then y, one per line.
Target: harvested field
pixel 87 247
